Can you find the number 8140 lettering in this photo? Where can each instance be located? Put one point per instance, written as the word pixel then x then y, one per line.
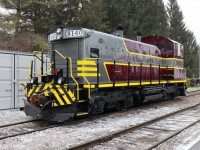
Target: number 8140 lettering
pixel 74 33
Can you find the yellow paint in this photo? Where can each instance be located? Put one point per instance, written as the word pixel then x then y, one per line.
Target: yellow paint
pixel 86 62
pixel 138 65
pixel 88 74
pixel 89 86
pixel 139 54
pixel 77 85
pixel 81 101
pixel 86 69
pixel 63 94
pixel 136 83
pixel 81 114
pixel 60 54
pixel 54 104
pixel 71 95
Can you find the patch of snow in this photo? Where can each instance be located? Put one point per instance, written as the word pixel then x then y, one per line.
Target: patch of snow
pixel 6 12
pixel 184 141
pixel 12 116
pixel 68 136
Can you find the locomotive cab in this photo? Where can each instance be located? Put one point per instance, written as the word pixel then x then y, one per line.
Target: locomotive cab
pixel 55 97
pixel 169 48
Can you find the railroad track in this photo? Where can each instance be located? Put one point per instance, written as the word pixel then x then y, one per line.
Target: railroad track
pixel 24 127
pixel 149 134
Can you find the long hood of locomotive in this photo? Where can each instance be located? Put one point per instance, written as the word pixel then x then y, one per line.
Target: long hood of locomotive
pixel 121 60
pixel 59 95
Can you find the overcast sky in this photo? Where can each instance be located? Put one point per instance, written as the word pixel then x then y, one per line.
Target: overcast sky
pixel 191 12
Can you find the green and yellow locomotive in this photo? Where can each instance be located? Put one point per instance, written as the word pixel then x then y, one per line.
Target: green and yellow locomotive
pixel 93 71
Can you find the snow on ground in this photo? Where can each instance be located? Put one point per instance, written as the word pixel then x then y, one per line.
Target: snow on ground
pixel 12 116
pixel 193 88
pixel 183 141
pixel 67 136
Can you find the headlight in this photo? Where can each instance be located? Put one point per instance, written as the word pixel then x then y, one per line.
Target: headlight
pixel 58 31
pixel 34 80
pixel 61 80
pixel 59 36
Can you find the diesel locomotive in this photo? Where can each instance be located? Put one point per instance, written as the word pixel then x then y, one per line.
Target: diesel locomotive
pixel 92 71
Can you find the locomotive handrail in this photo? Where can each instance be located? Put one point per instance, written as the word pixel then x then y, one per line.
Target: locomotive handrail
pixel 73 77
pixel 77 85
pixel 60 54
pixel 89 89
pixel 36 54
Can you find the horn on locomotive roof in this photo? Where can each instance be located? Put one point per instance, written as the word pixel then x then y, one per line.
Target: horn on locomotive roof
pixel 139 36
pixel 119 31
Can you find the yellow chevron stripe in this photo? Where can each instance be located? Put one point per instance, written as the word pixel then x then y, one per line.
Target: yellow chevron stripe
pixel 86 69
pixel 71 95
pixel 46 94
pixel 86 62
pixel 55 104
pixel 63 94
pixel 30 91
pixel 56 95
pixel 38 88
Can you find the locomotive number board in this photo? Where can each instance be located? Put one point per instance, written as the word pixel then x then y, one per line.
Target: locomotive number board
pixel 74 33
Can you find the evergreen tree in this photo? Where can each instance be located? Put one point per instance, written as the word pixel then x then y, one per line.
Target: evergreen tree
pixel 177 26
pixel 180 33
pixel 150 17
pixel 117 13
pixel 15 17
pixel 89 14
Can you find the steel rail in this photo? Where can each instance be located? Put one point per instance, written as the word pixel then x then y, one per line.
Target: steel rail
pixel 173 135
pixel 28 132
pixel 116 134
pixel 18 123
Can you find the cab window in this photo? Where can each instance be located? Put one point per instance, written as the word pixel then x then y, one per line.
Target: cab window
pixel 161 46
pixel 169 47
pixel 94 53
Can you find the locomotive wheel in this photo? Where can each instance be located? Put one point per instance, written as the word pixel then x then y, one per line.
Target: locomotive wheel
pixel 129 101
pixel 118 106
pixel 137 100
pixel 99 106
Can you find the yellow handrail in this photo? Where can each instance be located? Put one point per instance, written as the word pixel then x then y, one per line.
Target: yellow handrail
pixel 74 78
pixel 60 54
pixel 86 78
pixel 87 82
pixel 77 85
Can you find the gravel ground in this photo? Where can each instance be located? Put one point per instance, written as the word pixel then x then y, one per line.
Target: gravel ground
pixel 67 136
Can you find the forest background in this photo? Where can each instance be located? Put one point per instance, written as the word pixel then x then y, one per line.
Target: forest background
pixel 26 28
